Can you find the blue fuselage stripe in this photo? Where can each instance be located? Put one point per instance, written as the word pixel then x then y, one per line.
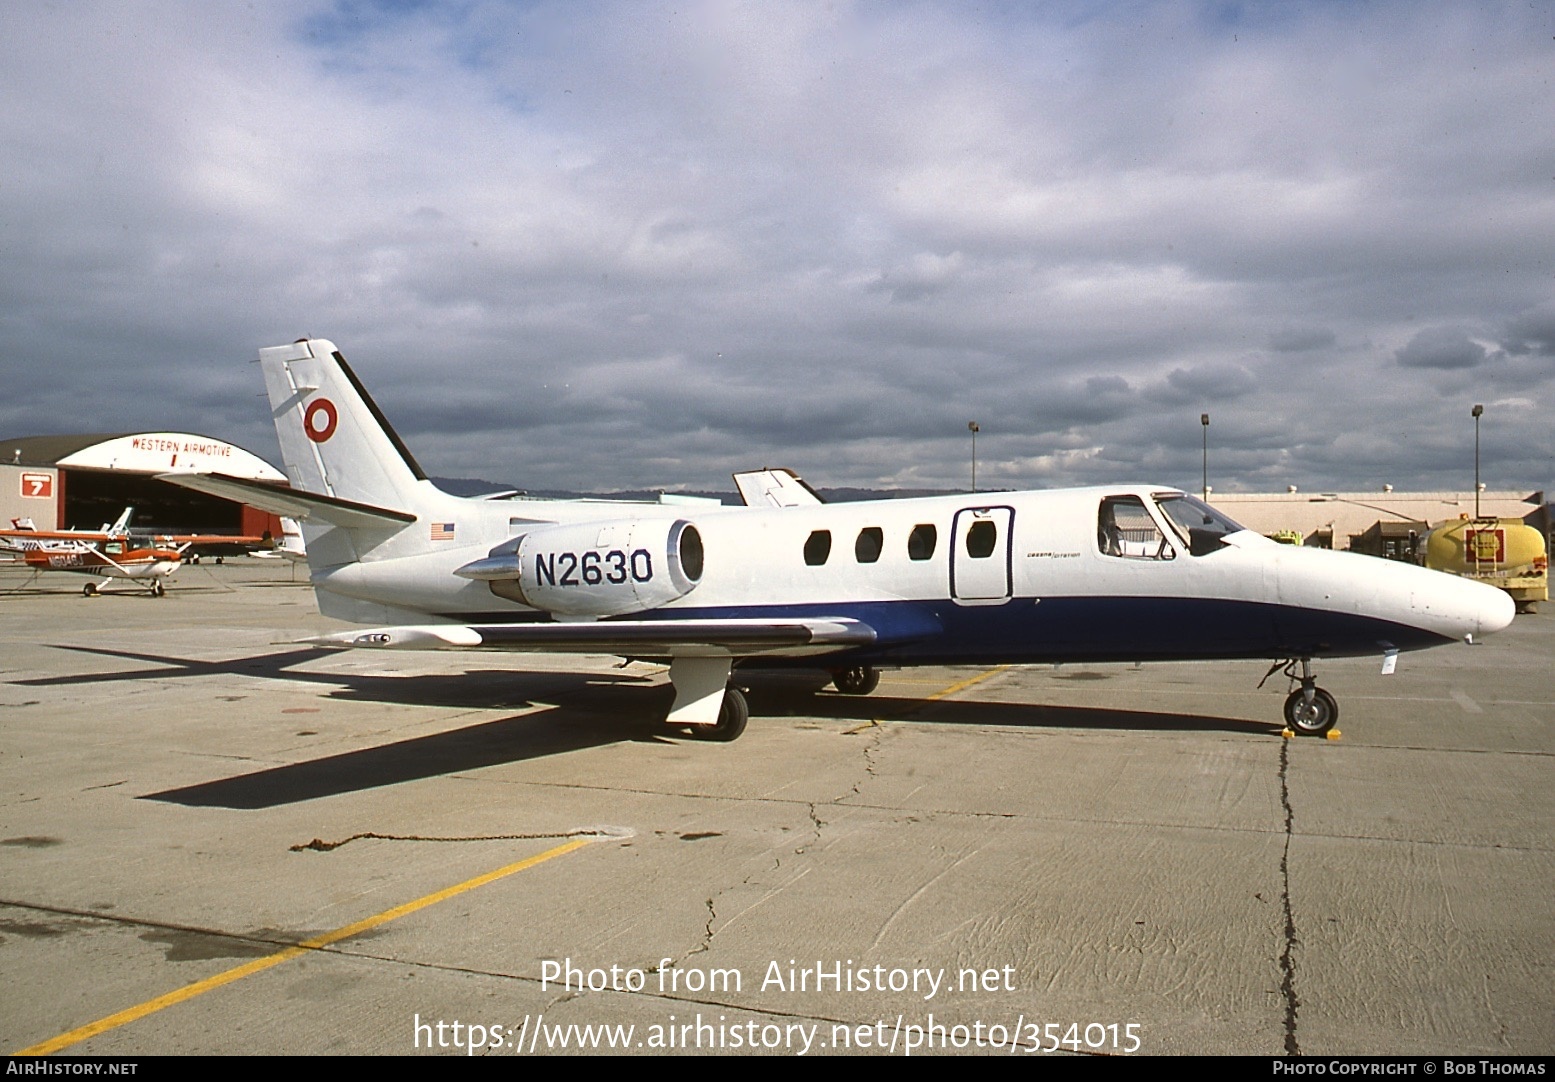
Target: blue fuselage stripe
pixel 1076 629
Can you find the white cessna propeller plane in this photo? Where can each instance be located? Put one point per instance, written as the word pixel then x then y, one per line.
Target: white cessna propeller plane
pixel 1124 573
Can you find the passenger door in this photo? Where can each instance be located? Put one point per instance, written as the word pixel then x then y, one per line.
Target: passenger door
pixel 980 557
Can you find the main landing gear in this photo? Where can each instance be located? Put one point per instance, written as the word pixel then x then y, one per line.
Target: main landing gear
pixel 1309 709
pixel 858 680
pixel 93 589
pixel 706 702
pixel 732 716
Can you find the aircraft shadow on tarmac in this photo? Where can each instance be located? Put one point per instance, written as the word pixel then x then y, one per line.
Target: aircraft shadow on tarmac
pixel 576 711
pixel 492 743
pixel 791 699
pixel 491 688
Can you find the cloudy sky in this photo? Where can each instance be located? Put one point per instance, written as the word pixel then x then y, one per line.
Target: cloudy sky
pixel 606 245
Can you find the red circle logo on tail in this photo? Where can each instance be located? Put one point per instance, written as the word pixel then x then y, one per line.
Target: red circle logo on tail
pixel 318 420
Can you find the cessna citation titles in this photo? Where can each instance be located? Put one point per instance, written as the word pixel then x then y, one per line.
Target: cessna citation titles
pixel 1124 573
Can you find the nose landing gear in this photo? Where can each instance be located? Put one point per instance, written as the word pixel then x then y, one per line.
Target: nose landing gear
pixel 1309 709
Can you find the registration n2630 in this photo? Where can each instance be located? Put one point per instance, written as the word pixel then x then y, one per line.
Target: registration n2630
pixel 593 567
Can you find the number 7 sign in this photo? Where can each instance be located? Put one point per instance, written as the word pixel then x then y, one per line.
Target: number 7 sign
pixel 38 485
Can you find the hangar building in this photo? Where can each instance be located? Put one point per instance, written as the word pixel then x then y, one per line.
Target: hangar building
pixel 83 481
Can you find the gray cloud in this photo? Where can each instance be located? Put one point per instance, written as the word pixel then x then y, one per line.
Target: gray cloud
pixel 1533 331
pixel 1207 383
pixel 1441 347
pixel 1300 339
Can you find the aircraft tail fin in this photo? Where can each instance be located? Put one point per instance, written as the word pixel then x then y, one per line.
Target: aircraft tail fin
pixel 334 439
pixel 775 487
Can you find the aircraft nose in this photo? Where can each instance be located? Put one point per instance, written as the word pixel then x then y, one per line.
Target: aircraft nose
pixel 1495 610
pixel 1471 609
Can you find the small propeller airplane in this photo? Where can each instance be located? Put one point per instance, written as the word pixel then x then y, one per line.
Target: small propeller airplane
pixel 1114 573
pixel 112 552
pixel 109 560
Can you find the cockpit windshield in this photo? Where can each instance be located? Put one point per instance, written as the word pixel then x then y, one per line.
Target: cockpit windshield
pixel 1200 526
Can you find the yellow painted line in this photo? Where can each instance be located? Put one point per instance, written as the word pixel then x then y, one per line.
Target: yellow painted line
pixel 259 965
pixel 942 693
pixel 968 682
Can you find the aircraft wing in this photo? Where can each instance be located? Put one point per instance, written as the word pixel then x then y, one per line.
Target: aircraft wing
pixel 629 638
pixel 291 502
pixel 54 535
pixel 206 542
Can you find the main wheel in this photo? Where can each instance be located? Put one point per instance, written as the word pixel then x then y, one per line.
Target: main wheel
pixel 1313 720
pixel 157 589
pixel 859 680
pixel 732 716
pixel 89 590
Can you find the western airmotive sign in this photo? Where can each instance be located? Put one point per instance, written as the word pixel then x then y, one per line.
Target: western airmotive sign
pixel 165 452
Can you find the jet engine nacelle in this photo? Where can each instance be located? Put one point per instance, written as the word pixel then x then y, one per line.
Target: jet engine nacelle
pixel 596 569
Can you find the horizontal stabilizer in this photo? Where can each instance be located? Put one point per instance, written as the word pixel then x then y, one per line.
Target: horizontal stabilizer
pixel 690 638
pixel 291 502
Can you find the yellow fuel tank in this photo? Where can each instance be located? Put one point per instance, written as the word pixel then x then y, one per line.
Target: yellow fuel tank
pixel 1502 552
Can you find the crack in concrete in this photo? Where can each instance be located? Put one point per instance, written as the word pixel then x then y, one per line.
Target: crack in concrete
pixel 817 823
pixel 870 747
pixel 1292 941
pixel 701 948
pixel 707 929
pixel 319 845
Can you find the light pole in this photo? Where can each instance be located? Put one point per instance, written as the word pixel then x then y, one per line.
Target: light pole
pixel 1478 411
pixel 974 429
pixel 1204 421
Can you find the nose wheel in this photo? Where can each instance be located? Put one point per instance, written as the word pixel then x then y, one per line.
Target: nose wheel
pixel 1309 709
pixel 1312 716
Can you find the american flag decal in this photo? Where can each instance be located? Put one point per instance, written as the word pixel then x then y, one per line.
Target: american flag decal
pixel 442 531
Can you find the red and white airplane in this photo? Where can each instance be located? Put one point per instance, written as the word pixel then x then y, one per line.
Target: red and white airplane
pixel 112 552
pixel 1113 573
pixel 109 560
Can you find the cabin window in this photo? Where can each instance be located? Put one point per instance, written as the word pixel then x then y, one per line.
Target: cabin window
pixel 921 542
pixel 867 548
pixel 981 539
pixel 817 548
pixel 1124 528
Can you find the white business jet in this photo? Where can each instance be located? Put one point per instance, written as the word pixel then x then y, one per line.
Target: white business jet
pixel 1118 573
